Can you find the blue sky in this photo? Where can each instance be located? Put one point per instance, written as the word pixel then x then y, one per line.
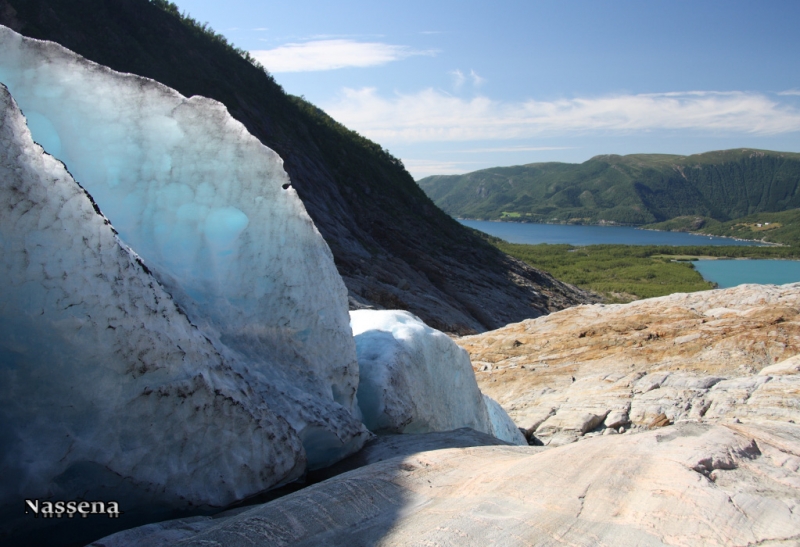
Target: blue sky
pixel 452 87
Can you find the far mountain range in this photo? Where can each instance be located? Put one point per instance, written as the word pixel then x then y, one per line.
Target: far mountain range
pixel 638 189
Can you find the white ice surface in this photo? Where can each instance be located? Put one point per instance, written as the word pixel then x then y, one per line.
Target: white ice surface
pixel 415 379
pixel 201 201
pixel 503 427
pixel 106 388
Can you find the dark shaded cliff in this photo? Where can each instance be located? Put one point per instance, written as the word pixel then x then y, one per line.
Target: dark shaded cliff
pixel 392 245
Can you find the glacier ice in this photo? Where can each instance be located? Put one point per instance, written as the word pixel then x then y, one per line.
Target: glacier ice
pixel 103 380
pixel 415 379
pixel 502 426
pixel 202 202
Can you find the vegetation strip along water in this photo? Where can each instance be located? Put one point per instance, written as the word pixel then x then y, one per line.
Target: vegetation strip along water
pixel 621 273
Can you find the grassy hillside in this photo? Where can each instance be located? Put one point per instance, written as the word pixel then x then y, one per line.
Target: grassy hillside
pixel 783 227
pixel 636 189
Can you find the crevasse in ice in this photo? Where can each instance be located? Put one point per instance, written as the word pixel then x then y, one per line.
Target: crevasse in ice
pixel 415 379
pixel 202 202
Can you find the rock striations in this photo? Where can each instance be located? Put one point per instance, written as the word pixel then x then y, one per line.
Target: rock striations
pixel 202 353
pixel 690 484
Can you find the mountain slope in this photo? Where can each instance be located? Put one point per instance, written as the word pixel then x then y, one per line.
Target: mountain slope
pixel 634 189
pixel 392 245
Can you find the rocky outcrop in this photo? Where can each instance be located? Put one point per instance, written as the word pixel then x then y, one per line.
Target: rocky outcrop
pixel 692 484
pixel 708 356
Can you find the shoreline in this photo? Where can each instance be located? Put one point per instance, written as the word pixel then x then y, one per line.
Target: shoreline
pixel 634 226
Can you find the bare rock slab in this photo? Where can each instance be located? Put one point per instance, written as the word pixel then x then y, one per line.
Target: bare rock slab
pixel 691 484
pixel 711 356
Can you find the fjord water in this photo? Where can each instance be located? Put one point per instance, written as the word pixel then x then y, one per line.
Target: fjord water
pixel 533 234
pixel 730 273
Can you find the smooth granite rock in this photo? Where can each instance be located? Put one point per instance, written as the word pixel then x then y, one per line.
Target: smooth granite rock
pixel 690 484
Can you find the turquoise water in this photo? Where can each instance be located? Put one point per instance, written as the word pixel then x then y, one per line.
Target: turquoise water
pixel 517 232
pixel 729 273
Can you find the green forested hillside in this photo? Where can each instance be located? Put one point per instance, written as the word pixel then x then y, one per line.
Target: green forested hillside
pixel 635 189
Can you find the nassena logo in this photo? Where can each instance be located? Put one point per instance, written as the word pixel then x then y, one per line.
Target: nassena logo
pixel 49 509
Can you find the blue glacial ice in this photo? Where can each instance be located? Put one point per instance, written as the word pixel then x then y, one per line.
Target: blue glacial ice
pixel 202 202
pixel 102 378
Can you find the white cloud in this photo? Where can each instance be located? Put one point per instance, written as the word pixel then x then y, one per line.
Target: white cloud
pixel 458 78
pixel 477 81
pixel 425 168
pixel 331 54
pixel 795 92
pixel 431 115
pixel 514 149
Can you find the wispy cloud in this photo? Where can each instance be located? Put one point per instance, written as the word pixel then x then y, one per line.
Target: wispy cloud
pixel 477 81
pixel 793 92
pixel 459 78
pixel 432 115
pixel 332 54
pixel 513 149
pixel 354 37
pixel 425 168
